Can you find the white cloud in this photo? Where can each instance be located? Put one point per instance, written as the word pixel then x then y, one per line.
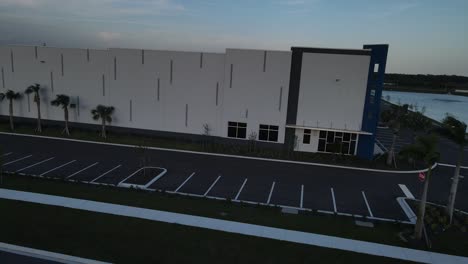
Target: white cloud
pixel 108 36
pixel 99 9
pixel 395 10
pixel 294 2
pixel 298 2
pixel 20 3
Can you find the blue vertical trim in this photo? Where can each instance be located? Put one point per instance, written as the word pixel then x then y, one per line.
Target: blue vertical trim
pixel 370 117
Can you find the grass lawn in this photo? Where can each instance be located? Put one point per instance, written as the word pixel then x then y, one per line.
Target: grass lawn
pixel 439 231
pixel 269 216
pixel 130 240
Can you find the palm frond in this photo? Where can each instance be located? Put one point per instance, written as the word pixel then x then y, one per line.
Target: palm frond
pixel 29 90
pixel 454 129
pixel 61 100
pixel 424 150
pixel 103 112
pixel 12 95
pixel 55 102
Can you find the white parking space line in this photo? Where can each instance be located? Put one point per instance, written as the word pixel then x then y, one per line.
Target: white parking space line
pixel 367 204
pixel 406 191
pixel 30 166
pixel 334 201
pixel 212 185
pixel 56 168
pixel 302 196
pixel 271 192
pixel 17 160
pixel 240 190
pixel 186 180
pixel 94 164
pixel 105 173
pixel 6 154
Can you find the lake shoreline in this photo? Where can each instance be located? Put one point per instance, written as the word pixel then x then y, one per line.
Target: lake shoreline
pixel 423 90
pixel 435 105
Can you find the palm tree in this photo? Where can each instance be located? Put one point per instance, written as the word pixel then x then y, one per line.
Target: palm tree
pixel 11 96
pixel 37 99
pixel 63 101
pixel 105 114
pixel 456 131
pixel 394 117
pixel 423 150
pixel 416 121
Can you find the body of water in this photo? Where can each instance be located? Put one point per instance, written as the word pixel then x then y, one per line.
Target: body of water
pixel 435 106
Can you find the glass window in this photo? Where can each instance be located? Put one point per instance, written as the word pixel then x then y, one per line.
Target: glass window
pixel 273 135
pixel 268 133
pixel 232 132
pixel 330 137
pixel 306 139
pixel 352 147
pixel 321 145
pixel 345 148
pixel 242 132
pixel 329 148
pixel 346 136
pixel 237 130
pixel 337 142
pixel 323 134
pixel 263 134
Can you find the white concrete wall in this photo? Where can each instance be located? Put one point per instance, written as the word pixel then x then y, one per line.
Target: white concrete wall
pixel 327 103
pixel 256 91
pixel 191 85
pixel 314 138
pixel 80 79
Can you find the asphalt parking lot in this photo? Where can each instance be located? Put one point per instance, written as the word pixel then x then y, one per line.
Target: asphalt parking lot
pixel 327 189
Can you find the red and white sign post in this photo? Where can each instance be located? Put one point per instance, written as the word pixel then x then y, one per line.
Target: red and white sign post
pixel 421 176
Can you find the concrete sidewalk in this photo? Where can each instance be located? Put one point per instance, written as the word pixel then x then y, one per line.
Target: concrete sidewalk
pixel 237 227
pixel 18 254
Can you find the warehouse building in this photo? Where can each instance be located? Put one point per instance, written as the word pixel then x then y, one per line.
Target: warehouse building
pixel 309 99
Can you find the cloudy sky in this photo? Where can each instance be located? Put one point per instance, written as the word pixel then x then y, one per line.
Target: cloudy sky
pixel 425 36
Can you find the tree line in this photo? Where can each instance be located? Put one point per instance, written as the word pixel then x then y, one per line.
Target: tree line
pixel 426 80
pixel 100 112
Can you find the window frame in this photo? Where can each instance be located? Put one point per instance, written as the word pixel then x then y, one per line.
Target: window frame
pixel 345 138
pixel 272 132
pixel 307 133
pixel 238 127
